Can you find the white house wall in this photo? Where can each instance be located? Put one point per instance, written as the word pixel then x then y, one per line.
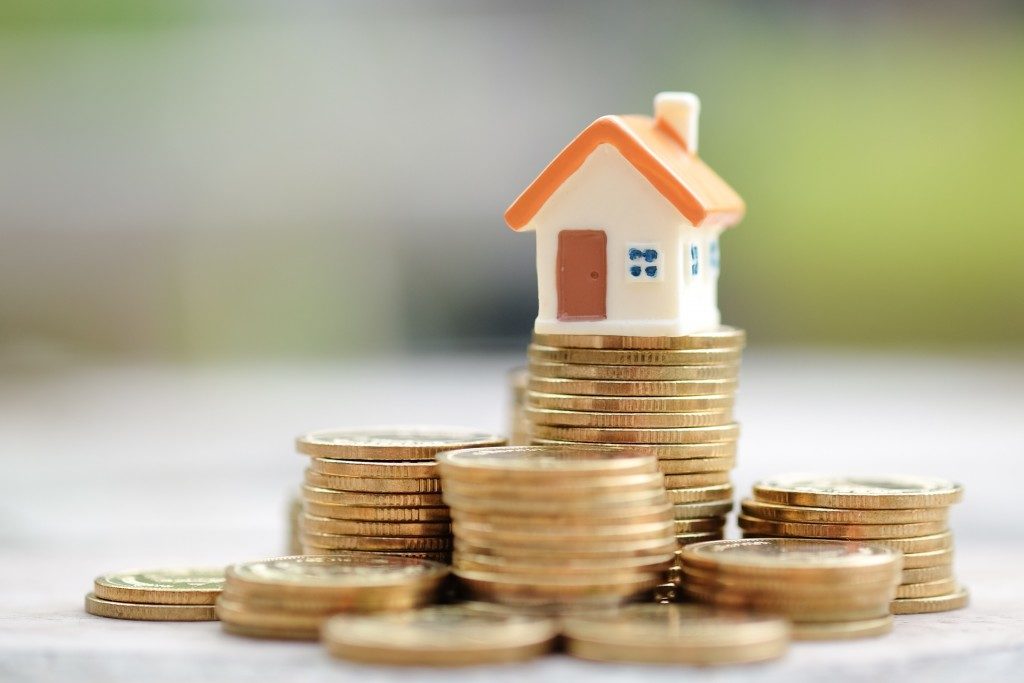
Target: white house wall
pixel 607 193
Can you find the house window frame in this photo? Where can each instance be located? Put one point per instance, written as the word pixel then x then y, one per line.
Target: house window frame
pixel 644 262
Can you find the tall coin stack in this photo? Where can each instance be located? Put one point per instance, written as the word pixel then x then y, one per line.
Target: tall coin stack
pixel 828 589
pixel 904 513
pixel 673 395
pixel 377 490
pixel 291 597
pixel 556 526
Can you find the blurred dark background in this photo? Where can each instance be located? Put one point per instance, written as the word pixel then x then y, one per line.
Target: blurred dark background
pixel 209 180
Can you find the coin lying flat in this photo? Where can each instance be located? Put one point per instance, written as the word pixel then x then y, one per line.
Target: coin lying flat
pixel 448 635
pixel 724 337
pixel 842 629
pixel 700 494
pixel 326 525
pixel 839 531
pixel 926 574
pixel 824 515
pixel 700 451
pixel 957 599
pixel 387 470
pixel 858 492
pixel 699 510
pixel 545 462
pixel 930 558
pixel 624 420
pixel 684 435
pixel 636 373
pixel 594 387
pixel 270 632
pixel 558 566
pixel 555 354
pixel 610 504
pixel 618 404
pixel 675 634
pixel 696 480
pixel 567 520
pixel 143 612
pixel 930 589
pixel 792 557
pixel 912 545
pixel 696 465
pixel 378 514
pixel 167 586
pixel 372 484
pixel 561 536
pixel 391 443
pixel 423 544
pixel 328 496
pixel 532 589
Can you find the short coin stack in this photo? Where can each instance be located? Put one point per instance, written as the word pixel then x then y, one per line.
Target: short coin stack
pixel 557 526
pixel 157 594
pixel 905 513
pixel 290 597
pixel 377 490
pixel 829 589
pixel 673 395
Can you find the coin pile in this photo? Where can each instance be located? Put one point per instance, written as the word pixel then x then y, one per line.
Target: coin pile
pixel 547 525
pixel 444 635
pixel 377 490
pixel 157 594
pixel 905 513
pixel 519 425
pixel 673 395
pixel 828 589
pixel 676 634
pixel 290 597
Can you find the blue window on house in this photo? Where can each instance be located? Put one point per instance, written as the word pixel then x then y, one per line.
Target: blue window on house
pixel 694 260
pixel 713 256
pixel 643 262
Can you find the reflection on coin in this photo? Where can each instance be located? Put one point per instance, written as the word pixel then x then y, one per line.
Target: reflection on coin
pixel 440 636
pixel 822 515
pixel 545 461
pixel 724 337
pixel 686 435
pixel 146 612
pixel 309 574
pixel 166 586
pixel 589 387
pixel 857 492
pixel 681 634
pixel 391 443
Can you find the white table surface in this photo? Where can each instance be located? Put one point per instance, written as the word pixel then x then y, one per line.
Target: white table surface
pixel 106 468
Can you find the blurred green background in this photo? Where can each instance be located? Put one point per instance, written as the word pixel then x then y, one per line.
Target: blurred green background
pixel 214 180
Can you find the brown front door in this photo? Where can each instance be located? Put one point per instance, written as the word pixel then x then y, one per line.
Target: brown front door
pixel 581 274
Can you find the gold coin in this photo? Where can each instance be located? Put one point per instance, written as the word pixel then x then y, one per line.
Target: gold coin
pixel 696 465
pixel 177 586
pixel 684 539
pixel 929 589
pixel 698 479
pixel 544 463
pixel 913 545
pixel 113 609
pixel 611 504
pixel 558 535
pixel 675 634
pixel 589 387
pixel 380 469
pixel 241 614
pixel 698 510
pixel 372 484
pixel 442 556
pixel 724 337
pixel 700 494
pixel 572 418
pixel 690 526
pixel 446 635
pixel 378 514
pixel 567 520
pixel 792 557
pixel 620 404
pixel 802 609
pixel 326 525
pixel 645 548
pixel 373 599
pixel 316 494
pixel 931 558
pixel 636 373
pixel 956 599
pixel 696 451
pixel 558 489
pixel 271 633
pixel 795 513
pixel 858 492
pixel 926 574
pixel 842 630
pixel 558 566
pixel 688 435
pixel 839 531
pixel 391 443
pixel 327 575
pixel 362 543
pixel 533 590
pixel 555 354
pixel 877 587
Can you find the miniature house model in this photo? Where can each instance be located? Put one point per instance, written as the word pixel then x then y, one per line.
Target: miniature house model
pixel 627 220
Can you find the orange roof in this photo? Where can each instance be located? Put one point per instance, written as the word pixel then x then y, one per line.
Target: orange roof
pixel 657 153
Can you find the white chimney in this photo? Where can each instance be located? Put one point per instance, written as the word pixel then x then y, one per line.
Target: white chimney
pixel 678 111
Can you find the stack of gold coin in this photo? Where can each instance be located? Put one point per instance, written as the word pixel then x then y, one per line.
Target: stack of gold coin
pixel 676 634
pixel 377 490
pixel 673 395
pixel 290 597
pixel 444 635
pixel 549 525
pixel 828 589
pixel 157 594
pixel 906 513
pixel 519 425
